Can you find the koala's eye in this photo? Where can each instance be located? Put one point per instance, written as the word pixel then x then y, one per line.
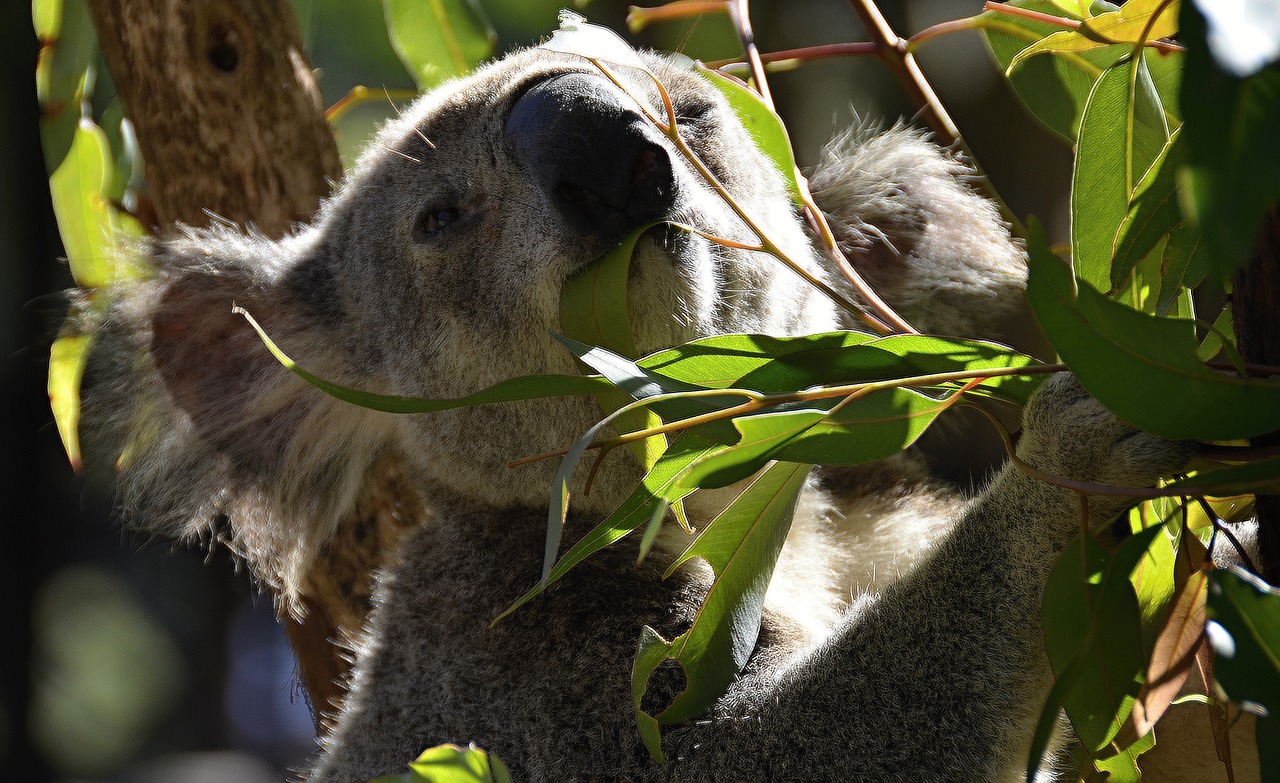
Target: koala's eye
pixel 434 220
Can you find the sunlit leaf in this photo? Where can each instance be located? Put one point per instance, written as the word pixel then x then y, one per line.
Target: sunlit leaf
pixel 439 39
pixel 67 360
pixel 1137 21
pixel 594 311
pixel 84 215
pixel 765 126
pixel 741 545
pixel 68 50
pixel 658 485
pixel 1246 641
pixel 1054 89
pixel 1123 130
pixel 1254 478
pixel 720 361
pixel 1172 657
pixel 525 388
pixel 761 437
pixel 1233 161
pixel 1123 766
pixel 1143 367
pixel 453 764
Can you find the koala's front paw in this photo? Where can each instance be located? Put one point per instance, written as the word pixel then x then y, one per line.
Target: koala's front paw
pixel 1068 433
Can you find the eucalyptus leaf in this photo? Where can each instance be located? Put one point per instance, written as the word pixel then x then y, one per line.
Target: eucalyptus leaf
pixel 762 123
pixel 67 359
pixel 63 71
pixel 1136 22
pixel 1246 641
pixel 524 388
pixel 1053 89
pixel 577 36
pixel 453 764
pixel 741 545
pixel 1091 615
pixel 721 361
pixel 1142 367
pixel 439 39
pixel 658 485
pixel 1122 132
pixel 1254 478
pixel 1153 210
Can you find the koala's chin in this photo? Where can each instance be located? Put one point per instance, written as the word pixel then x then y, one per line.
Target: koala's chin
pixel 900 639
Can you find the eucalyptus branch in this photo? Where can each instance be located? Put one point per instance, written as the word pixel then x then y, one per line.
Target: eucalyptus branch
pixel 1160 45
pixel 1219 526
pixel 756 401
pixel 671 130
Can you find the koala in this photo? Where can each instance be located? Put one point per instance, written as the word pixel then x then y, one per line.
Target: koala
pixel 900 639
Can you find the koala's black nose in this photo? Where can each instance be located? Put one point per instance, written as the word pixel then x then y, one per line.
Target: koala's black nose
pixel 599 160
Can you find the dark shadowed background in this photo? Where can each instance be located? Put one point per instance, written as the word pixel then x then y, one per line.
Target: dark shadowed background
pixel 123 660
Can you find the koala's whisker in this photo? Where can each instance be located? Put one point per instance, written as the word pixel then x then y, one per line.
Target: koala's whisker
pixel 416 130
pixel 404 155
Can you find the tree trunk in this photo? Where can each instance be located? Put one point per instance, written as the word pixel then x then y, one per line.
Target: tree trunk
pixel 231 126
pixel 1255 299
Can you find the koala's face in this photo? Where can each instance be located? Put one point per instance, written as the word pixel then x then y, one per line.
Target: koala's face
pixel 450 244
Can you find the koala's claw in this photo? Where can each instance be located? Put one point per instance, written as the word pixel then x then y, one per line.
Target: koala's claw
pixel 1069 433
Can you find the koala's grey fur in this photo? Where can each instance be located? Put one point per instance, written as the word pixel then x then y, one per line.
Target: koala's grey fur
pixel 900 640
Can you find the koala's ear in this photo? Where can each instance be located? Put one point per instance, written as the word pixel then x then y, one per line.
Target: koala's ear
pixel 935 250
pixel 215 438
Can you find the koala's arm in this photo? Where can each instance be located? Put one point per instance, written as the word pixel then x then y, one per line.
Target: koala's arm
pixel 213 438
pixel 943 675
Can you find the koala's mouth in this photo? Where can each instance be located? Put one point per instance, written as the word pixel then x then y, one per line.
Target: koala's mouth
pixel 597 159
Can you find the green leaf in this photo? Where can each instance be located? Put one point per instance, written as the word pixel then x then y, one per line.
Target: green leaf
pixel 68 50
pixel 741 545
pixel 719 362
pixel 453 764
pixel 593 302
pixel 1091 615
pixel 762 436
pixel 1132 24
pixel 1233 161
pixel 47 18
pixel 439 39
pixel 764 126
pixel 84 215
pixel 658 485
pixel 1153 211
pixel 1254 478
pixel 594 311
pixel 1245 632
pixel 1053 89
pixel 67 360
pixel 1122 132
pixel 1123 766
pixel 1142 367
pixel 844 431
pixel 650 653
pixel 526 388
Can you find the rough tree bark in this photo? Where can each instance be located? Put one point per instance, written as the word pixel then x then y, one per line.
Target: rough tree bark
pixel 230 123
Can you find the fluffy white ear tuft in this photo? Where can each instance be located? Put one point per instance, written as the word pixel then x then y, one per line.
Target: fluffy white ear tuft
pixel 213 438
pixel 905 214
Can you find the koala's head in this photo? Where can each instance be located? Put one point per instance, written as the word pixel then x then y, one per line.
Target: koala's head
pixel 436 270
